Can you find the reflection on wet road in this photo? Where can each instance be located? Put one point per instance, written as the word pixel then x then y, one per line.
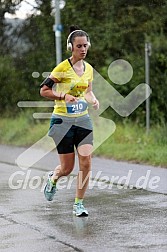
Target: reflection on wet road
pixel 119 220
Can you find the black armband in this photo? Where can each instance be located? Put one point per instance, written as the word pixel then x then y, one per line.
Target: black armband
pixel 48 82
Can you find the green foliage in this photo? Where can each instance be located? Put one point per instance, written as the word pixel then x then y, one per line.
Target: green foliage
pixel 129 142
pixel 11 88
pixel 118 29
pixel 159 79
pixel 22 130
pixel 40 54
pixel 9 6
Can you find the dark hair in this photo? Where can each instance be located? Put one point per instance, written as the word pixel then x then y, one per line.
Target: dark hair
pixel 74 27
pixel 79 33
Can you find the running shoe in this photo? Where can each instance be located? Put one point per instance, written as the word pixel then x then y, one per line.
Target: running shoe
pixel 79 210
pixel 50 189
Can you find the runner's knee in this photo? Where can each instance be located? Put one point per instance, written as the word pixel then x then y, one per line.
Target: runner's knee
pixel 85 162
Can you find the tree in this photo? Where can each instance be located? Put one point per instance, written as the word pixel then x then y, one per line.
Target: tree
pixel 37 33
pixel 117 29
pixel 10 7
pixel 11 91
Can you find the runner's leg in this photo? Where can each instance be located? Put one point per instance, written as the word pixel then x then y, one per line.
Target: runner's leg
pixel 84 157
pixel 66 166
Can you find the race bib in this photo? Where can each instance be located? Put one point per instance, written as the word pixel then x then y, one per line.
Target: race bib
pixel 76 107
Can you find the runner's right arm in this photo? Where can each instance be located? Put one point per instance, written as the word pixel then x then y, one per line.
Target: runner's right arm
pixel 47 90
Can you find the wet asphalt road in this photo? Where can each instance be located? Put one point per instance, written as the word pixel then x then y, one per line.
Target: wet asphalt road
pixel 119 220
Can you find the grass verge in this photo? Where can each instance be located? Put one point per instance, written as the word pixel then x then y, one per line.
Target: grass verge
pixel 131 143
pixel 128 143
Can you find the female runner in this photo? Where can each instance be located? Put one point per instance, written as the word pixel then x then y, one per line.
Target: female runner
pixel 70 85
